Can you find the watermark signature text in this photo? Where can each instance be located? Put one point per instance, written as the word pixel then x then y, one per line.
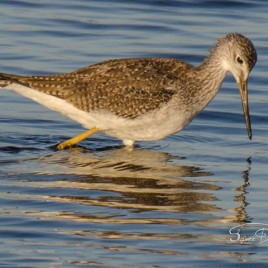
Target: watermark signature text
pixel 256 233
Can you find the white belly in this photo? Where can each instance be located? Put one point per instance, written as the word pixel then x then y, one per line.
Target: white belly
pixel 152 126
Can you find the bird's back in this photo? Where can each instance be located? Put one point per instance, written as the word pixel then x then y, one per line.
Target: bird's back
pixel 125 87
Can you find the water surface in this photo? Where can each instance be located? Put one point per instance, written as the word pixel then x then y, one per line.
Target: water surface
pixel 167 203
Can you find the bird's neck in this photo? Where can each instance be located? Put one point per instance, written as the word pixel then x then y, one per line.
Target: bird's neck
pixel 210 75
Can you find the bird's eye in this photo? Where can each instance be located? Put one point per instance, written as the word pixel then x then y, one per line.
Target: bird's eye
pixel 239 60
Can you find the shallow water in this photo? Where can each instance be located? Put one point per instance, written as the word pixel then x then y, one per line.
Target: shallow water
pixel 168 203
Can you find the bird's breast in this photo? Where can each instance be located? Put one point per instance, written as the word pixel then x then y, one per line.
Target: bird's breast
pixel 154 125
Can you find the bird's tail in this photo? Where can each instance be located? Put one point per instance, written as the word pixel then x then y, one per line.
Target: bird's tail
pixel 7 79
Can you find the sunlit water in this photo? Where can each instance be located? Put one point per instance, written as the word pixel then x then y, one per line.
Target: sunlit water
pixel 168 203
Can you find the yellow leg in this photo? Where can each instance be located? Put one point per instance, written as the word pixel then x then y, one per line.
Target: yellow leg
pixel 77 138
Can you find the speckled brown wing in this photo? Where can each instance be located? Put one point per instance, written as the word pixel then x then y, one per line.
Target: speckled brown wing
pixel 127 87
pixel 55 85
pixel 127 101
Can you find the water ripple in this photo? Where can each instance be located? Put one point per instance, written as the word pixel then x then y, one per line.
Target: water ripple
pixel 99 204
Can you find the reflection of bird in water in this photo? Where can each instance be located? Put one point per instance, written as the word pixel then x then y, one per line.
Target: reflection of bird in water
pixel 122 163
pixel 139 180
pixel 140 99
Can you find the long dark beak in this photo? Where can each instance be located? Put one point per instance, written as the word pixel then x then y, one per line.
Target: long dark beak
pixel 244 98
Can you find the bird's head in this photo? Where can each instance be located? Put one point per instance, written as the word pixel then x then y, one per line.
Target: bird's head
pixel 239 58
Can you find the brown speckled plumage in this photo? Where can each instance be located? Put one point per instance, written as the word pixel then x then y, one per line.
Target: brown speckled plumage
pixel 146 90
pixel 127 87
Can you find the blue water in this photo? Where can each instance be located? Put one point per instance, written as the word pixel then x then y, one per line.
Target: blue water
pixel 168 203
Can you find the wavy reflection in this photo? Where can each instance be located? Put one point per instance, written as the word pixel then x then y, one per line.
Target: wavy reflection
pixel 240 197
pixel 130 190
pixel 137 180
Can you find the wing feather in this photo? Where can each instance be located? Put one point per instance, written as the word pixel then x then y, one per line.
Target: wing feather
pixel 126 87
